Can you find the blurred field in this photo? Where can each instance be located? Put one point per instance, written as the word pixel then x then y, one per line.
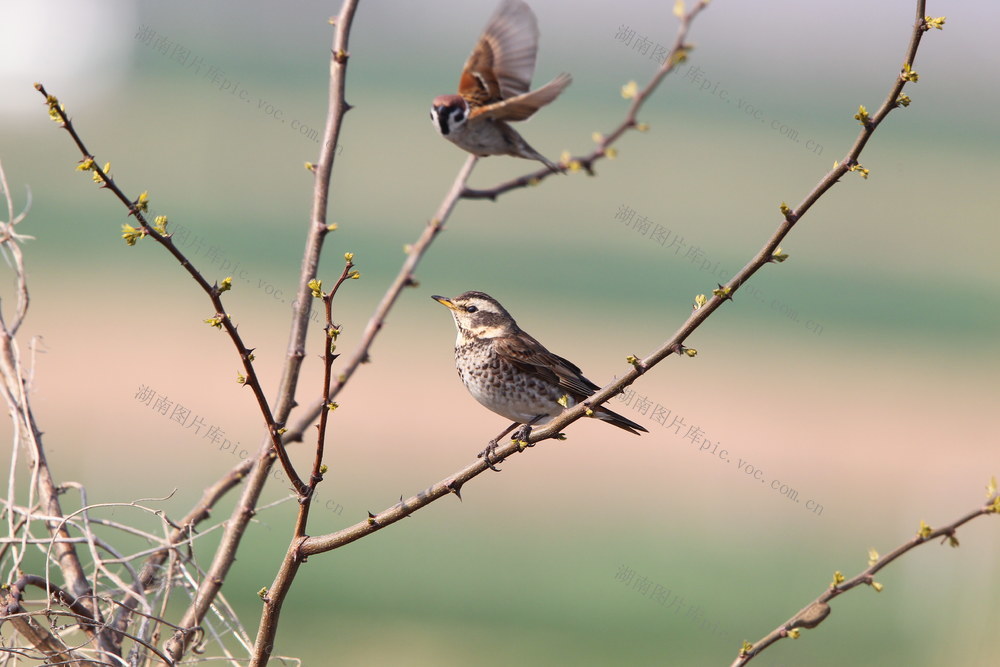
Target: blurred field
pixel 861 373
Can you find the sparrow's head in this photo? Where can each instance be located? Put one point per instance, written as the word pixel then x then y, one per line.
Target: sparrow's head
pixel 479 315
pixel 449 112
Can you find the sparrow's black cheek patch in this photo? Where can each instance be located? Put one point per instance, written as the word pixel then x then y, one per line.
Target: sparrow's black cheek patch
pixel 442 119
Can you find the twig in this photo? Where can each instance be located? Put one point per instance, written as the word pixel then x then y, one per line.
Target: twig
pixel 61 545
pixel 94 542
pixel 48 644
pixel 404 508
pixel 816 611
pixel 337 107
pixel 16 590
pixel 9 242
pixel 404 278
pixel 274 598
pixel 331 332
pixel 244 510
pixel 26 433
pixel 678 54
pixel 222 319
pixel 136 593
pixel 24 618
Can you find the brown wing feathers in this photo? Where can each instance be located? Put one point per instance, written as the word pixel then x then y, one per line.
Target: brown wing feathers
pixel 539 361
pixel 503 61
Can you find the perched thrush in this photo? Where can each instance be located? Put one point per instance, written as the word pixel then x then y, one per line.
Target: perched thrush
pixel 513 374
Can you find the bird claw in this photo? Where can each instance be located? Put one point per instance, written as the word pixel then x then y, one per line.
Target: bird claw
pixel 486 455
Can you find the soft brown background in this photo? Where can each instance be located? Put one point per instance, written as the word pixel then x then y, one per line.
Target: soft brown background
pixel 878 403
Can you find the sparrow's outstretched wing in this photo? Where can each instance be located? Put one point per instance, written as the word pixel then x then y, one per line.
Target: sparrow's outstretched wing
pixel 523 106
pixel 503 61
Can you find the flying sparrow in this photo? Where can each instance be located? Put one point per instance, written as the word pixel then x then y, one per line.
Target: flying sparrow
pixel 513 374
pixel 494 86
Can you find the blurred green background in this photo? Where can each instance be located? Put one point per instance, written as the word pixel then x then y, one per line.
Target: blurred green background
pixel 861 373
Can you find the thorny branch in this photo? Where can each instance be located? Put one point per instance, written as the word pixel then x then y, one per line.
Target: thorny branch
pixel 332 331
pixel 308 286
pixel 244 510
pixel 404 278
pixel 286 401
pixel 136 208
pixel 816 611
pixel 225 554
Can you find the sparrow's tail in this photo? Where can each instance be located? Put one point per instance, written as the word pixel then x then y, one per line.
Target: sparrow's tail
pixel 525 150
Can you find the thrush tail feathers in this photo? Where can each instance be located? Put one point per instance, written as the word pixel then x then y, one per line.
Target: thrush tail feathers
pixel 612 417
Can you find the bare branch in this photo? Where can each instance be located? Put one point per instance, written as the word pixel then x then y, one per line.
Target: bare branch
pixel 816 611
pixel 16 590
pixel 198 513
pixel 318 227
pixel 222 320
pixel 9 242
pixel 27 434
pixel 403 279
pixel 330 344
pixel 53 648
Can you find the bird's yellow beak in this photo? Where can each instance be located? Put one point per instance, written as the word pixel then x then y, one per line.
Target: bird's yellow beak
pixel 444 301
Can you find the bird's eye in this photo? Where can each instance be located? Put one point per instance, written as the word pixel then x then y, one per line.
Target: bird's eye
pixel 471 309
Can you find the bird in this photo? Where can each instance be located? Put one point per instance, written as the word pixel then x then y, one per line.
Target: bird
pixel 493 88
pixel 511 373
